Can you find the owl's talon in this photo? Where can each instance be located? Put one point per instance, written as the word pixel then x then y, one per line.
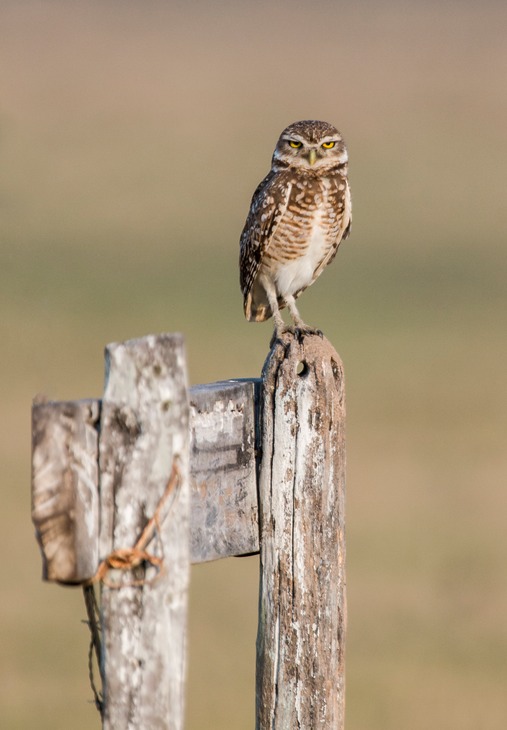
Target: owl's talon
pixel 301 332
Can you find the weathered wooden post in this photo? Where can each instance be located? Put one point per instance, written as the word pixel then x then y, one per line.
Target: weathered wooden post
pixel 143 437
pixel 300 643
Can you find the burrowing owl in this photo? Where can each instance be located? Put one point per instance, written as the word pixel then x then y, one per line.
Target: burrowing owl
pixel 298 215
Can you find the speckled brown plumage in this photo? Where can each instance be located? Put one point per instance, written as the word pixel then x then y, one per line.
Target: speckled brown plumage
pixel 298 215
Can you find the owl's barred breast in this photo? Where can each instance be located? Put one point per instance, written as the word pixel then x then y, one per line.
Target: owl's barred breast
pixel 307 234
pixel 297 271
pixel 303 238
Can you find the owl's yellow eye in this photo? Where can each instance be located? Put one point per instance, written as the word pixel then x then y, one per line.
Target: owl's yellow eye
pixel 295 144
pixel 328 145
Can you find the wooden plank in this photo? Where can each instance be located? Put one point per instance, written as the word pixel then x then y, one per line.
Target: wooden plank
pixel 223 470
pixel 223 479
pixel 65 508
pixel 300 642
pixel 144 431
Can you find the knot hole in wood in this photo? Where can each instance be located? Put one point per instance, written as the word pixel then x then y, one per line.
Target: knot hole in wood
pixel 302 369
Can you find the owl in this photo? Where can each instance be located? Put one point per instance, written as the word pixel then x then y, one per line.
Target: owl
pixel 298 215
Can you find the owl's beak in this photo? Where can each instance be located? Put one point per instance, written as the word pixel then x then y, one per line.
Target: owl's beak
pixel 312 157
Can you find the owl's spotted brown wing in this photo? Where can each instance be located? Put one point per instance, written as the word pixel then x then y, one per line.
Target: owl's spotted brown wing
pixel 268 205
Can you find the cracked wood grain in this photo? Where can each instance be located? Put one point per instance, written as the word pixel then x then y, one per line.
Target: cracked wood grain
pixel 223 469
pixel 65 503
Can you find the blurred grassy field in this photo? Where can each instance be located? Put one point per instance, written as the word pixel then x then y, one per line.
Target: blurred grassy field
pixel 131 138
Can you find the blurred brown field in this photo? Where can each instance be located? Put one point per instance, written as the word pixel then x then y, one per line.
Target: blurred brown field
pixel 132 136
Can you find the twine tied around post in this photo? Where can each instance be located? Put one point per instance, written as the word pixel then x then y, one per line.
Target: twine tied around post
pixel 125 559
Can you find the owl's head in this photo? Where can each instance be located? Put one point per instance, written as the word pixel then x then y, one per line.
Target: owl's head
pixel 310 145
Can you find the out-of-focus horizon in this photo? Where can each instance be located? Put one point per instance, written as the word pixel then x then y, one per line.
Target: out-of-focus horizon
pixel 132 136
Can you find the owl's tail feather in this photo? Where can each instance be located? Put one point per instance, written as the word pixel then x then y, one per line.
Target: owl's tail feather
pixel 256 311
pixel 257 307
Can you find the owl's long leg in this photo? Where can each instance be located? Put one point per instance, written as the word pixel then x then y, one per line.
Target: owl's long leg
pixel 291 304
pixel 269 288
pixel 301 328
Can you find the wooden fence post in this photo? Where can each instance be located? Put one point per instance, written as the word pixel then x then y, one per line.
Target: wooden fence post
pixel 143 433
pixel 302 615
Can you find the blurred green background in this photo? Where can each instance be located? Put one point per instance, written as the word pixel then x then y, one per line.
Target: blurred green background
pixel 132 135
